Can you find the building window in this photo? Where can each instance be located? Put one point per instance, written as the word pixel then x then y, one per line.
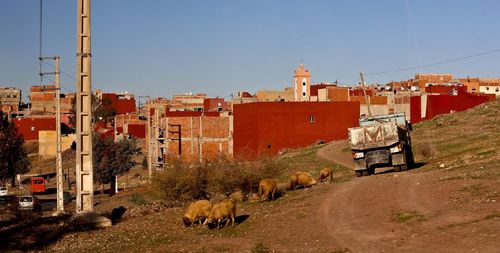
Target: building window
pixel 312 119
pixel 487 88
pixel 303 94
pixel 304 84
pixel 8 96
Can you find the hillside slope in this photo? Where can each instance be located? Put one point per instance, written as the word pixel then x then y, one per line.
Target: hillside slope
pixel 449 204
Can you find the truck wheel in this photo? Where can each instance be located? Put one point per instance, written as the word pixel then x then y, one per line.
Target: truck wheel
pixel 403 167
pixel 358 173
pixel 396 168
pixel 411 159
pixel 366 173
pixel 371 171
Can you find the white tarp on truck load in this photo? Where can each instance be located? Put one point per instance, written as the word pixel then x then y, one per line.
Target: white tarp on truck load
pixel 371 135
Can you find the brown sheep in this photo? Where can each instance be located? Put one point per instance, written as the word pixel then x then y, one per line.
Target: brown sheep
pixel 325 173
pixel 222 210
pixel 197 211
pixel 301 178
pixel 267 187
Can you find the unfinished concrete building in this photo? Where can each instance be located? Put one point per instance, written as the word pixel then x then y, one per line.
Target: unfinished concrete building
pixel 10 99
pixel 188 102
pixel 43 100
pixel 243 97
pixel 197 136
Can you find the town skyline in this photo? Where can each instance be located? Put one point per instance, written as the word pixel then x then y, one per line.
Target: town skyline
pixel 248 46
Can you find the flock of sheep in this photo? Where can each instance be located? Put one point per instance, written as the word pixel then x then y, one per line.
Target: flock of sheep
pixel 226 209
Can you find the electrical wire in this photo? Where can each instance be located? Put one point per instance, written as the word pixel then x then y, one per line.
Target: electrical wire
pixel 48 79
pixel 52 81
pixel 436 63
pixel 41 37
pixel 68 75
pixel 62 72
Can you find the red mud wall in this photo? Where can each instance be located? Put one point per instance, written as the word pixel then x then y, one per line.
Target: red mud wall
pixel 441 104
pixel 121 106
pixel 29 127
pixel 137 130
pixel 415 110
pixel 268 127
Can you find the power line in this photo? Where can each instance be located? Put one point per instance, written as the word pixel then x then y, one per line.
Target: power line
pixel 436 63
pixel 62 72
pixel 68 75
pixel 41 37
pixel 48 79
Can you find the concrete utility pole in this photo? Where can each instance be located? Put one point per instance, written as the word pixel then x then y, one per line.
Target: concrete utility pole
pixel 84 173
pixel 60 196
pixel 364 93
pixel 148 141
pixel 59 168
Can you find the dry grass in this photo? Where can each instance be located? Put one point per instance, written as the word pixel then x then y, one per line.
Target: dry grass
pixel 460 140
pixel 181 182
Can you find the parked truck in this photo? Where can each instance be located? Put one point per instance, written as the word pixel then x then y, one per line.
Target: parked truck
pixel 381 141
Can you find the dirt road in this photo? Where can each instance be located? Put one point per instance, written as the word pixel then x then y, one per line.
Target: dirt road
pixel 410 211
pixel 337 152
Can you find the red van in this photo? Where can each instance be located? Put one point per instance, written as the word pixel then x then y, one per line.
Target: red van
pixel 37 184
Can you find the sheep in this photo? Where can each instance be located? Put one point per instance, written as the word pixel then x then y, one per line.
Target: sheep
pixel 325 173
pixel 301 178
pixel 267 187
pixel 222 210
pixel 196 212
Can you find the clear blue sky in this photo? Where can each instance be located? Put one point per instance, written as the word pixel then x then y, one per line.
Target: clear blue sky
pixel 162 48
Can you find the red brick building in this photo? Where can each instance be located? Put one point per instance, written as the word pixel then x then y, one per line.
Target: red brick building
pixel 265 128
pixel 43 100
pixel 204 135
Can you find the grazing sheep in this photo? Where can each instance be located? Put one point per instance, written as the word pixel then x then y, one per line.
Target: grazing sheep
pixel 325 173
pixel 267 187
pixel 225 209
pixel 197 211
pixel 301 178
